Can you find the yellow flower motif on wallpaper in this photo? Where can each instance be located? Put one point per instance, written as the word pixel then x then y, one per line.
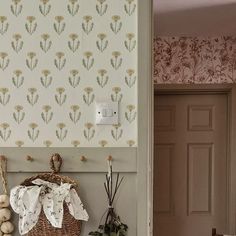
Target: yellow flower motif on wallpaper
pixel 116 24
pixel 3 25
pixel 3 19
pixel 46 114
pixel 44 1
pixel 88 97
pixel 17 43
pixel 4 60
pixel 130 78
pixel 89 132
pixel 102 143
pixel 4 96
pixel 59 26
pixel 16 1
pixel 116 96
pixel 101 8
pixel 101 42
pixel 60 60
pixel 31 25
pixel 102 78
pixel 130 114
pixel 115 18
pixel 130 43
pixel 73 7
pixel 131 143
pixel 74 78
pixel 17 78
pixel 130 7
pixel 31 61
pixel 5 125
pixel 47 143
pixel 75 143
pixel 46 43
pixel 61 132
pixel 88 61
pixel 33 132
pixel 116 60
pixel 17 37
pixel 87 25
pixel 16 7
pixel 46 72
pixel 74 43
pixel 32 97
pixel 19 114
pixel 46 79
pixel 19 143
pixel 5 131
pixel 60 97
pixel 60 90
pixel 75 114
pixel 45 7
pixel 18 108
pixel 116 132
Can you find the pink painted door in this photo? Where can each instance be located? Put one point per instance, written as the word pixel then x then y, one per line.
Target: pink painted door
pixel 190 165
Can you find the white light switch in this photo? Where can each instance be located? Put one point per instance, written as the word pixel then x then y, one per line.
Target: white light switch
pixel 106 113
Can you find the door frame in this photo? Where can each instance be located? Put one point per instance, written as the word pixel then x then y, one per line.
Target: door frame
pixel 230 91
pixel 145 118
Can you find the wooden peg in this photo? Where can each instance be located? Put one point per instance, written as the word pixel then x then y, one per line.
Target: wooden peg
pixel 2 158
pixel 29 158
pixel 83 158
pixel 110 158
pixel 55 157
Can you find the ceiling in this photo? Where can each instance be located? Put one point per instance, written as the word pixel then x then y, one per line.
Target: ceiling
pixel 194 17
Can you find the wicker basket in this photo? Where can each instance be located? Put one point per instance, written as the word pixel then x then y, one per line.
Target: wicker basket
pixel 70 226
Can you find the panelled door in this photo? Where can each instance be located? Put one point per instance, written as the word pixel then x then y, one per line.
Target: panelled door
pixel 190 164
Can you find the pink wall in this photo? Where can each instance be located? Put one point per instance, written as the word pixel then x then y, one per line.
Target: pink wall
pixel 194 60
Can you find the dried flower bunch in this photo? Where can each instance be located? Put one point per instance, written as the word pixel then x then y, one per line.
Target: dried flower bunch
pixel 113 225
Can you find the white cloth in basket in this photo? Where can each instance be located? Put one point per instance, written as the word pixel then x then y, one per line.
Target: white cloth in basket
pixel 29 201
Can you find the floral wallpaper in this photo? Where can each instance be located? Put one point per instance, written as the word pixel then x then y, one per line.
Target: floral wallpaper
pixel 57 58
pixel 195 60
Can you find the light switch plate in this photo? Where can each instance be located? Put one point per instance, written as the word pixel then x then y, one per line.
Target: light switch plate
pixel 107 113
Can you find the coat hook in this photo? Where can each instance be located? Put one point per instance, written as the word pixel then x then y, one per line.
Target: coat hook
pixel 83 158
pixel 29 158
pixel 110 158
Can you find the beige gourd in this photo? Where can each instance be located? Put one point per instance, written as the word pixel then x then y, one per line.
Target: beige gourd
pixel 4 201
pixel 6 227
pixel 5 214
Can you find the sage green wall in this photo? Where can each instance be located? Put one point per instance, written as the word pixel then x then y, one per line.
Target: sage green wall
pixel 57 57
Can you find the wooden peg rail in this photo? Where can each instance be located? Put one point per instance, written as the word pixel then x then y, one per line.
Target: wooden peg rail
pixel 83 160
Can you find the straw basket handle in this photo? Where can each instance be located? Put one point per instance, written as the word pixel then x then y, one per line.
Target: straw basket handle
pixel 55 163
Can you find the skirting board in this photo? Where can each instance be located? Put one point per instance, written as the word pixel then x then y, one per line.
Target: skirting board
pixel 124 159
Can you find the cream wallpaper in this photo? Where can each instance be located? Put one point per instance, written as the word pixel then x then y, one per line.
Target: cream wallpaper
pixel 57 58
pixel 195 60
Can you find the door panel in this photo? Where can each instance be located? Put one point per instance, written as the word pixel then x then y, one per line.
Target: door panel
pixel 190 164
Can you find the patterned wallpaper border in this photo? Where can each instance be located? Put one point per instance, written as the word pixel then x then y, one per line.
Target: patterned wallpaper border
pixel 195 60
